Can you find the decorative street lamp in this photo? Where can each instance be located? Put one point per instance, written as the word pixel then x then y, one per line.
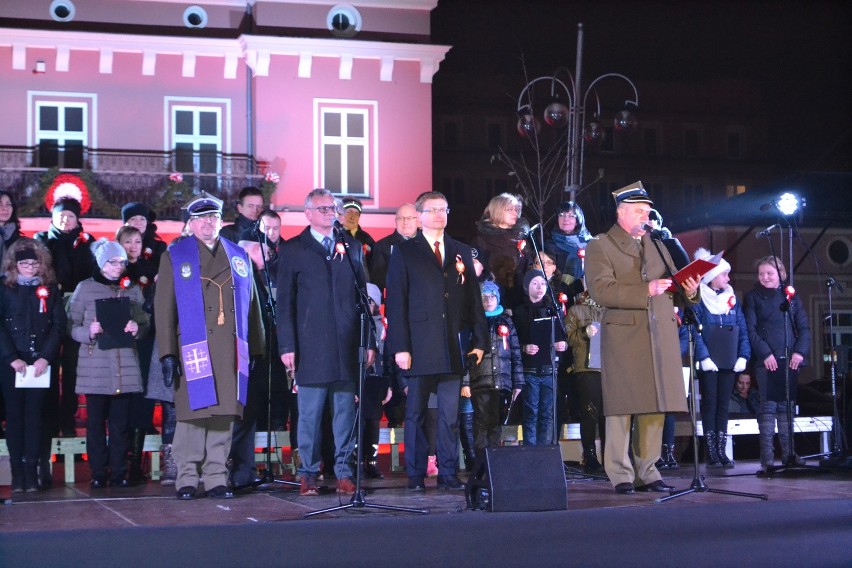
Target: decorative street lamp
pixel 567 108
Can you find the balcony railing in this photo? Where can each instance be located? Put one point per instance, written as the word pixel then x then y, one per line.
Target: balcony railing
pixel 121 176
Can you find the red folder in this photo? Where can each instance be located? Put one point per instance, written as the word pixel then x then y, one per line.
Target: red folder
pixel 696 269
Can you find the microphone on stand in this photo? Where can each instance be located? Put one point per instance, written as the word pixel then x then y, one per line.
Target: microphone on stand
pixel 526 230
pixel 765 232
pixel 655 234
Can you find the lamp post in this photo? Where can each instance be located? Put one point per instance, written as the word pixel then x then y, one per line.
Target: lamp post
pixel 572 115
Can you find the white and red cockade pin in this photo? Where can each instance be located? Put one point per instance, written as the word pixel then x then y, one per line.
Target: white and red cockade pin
pixel 42 293
pixel 339 251
pixel 147 253
pixel 125 282
pixel 460 268
pixel 503 332
pixel 563 299
pixel 789 291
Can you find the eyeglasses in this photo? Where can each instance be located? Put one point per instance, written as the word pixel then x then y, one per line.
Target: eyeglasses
pixel 207 217
pixel 325 209
pixel 406 219
pixel 437 210
pixel 117 262
pixel 547 263
pixel 28 263
pixel 516 209
pixel 488 297
pixel 567 215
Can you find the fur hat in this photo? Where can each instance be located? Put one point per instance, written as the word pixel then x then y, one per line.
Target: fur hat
pixel 133 209
pixel 105 250
pixel 723 265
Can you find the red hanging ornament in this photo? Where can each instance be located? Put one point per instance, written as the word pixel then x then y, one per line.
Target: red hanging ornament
pixel 503 332
pixel 460 268
pixel 42 293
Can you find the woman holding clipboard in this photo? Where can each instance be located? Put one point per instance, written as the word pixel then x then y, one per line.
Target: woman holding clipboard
pixel 33 324
pixel 722 349
pixel 105 315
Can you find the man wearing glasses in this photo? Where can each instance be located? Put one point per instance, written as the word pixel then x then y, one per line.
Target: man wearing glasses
pixel 319 334
pixel 249 208
pixel 208 327
pixel 407 223
pixel 435 321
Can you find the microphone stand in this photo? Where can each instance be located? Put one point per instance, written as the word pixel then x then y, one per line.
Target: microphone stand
pixel 368 331
pixel 689 319
pixel 267 481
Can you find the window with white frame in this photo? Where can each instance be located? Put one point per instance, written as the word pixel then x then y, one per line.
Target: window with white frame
pixel 346 147
pixel 61 133
pixel 197 139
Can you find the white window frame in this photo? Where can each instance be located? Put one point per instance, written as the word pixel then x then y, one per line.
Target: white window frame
pixel 369 142
pixel 61 100
pixel 222 140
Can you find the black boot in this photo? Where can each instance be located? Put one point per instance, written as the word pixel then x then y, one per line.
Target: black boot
pixel 466 436
pixel 721 443
pixel 17 468
pixel 591 464
pixel 661 463
pixel 30 476
pixel 668 457
pixel 137 441
pixel 712 449
pixel 45 474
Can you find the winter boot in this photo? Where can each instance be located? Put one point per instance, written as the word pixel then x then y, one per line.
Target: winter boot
pixel 45 474
pixel 712 449
pixel 668 457
pixel 721 448
pixel 168 466
pixel 17 468
pixel 766 429
pixel 785 441
pixel 466 435
pixel 136 475
pixel 30 476
pixel 591 464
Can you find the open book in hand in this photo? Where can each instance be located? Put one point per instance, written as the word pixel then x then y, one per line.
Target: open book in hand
pixel 695 269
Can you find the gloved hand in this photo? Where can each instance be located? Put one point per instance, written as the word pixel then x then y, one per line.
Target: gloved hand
pixel 740 365
pixel 171 369
pixel 708 365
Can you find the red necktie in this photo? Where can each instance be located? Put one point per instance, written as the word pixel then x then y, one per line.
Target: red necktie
pixel 438 253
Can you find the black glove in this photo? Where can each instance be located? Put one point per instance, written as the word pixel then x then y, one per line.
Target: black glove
pixel 171 369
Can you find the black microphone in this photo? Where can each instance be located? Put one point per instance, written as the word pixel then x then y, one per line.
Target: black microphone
pixel 765 232
pixel 255 230
pixel 337 226
pixel 655 233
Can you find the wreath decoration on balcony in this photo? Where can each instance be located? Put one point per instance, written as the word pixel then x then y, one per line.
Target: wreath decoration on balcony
pixel 81 186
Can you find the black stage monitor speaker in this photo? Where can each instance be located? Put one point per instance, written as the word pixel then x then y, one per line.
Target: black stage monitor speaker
pixel 518 478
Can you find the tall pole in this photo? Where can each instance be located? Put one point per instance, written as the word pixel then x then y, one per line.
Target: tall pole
pixel 573 162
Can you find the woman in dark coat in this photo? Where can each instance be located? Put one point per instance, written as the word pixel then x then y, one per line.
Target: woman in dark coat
pixel 768 327
pixel 565 242
pixel 33 323
pixel 497 236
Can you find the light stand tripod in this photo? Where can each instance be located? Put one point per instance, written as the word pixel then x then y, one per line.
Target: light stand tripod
pixel 791 464
pixel 837 458
pixel 698 485
pixel 368 332
pixel 267 481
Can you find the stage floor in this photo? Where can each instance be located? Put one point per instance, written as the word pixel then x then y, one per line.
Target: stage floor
pixel 77 506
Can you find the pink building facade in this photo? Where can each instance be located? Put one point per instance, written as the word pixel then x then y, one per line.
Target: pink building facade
pixel 322 94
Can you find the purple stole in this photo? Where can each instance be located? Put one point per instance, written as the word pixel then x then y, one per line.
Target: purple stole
pixel 195 353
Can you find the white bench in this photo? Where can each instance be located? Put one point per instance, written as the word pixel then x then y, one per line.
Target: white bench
pixel 742 426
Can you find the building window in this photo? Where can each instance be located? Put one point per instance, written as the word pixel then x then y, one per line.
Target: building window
pixel 346 152
pixel 61 129
pixel 198 137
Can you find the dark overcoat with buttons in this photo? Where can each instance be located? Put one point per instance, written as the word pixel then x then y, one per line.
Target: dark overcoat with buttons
pixel 640 350
pixel 427 305
pixel 318 317
pixel 221 338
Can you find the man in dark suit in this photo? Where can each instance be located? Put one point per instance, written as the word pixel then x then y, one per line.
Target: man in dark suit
pixel 406 227
pixel 319 334
pixel 433 300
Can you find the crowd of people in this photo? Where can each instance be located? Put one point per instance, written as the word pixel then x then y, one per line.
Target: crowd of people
pixel 232 329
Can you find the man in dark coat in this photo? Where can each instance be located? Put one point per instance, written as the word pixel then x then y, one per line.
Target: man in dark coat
pixel 640 351
pixel 349 218
pixel 319 334
pixel 406 228
pixel 435 319
pixel 208 327
pixel 249 207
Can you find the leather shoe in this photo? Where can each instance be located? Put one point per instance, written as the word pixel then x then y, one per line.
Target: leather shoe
pixel 624 488
pixel 120 483
pixel 450 483
pixel 658 486
pixel 98 483
pixel 346 486
pixel 416 484
pixel 186 493
pixel 308 487
pixel 372 472
pixel 220 492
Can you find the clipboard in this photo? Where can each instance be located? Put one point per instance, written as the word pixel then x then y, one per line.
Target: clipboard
pixel 594 361
pixel 29 380
pixel 695 269
pixel 113 315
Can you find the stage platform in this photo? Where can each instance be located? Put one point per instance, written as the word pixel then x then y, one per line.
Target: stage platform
pixel 807 521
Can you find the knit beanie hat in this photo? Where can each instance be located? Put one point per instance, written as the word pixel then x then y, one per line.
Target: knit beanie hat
pixel 67 204
pixel 105 250
pixel 528 278
pixel 133 209
pixel 490 287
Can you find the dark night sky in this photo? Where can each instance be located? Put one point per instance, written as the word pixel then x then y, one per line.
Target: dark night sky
pixel 799 53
